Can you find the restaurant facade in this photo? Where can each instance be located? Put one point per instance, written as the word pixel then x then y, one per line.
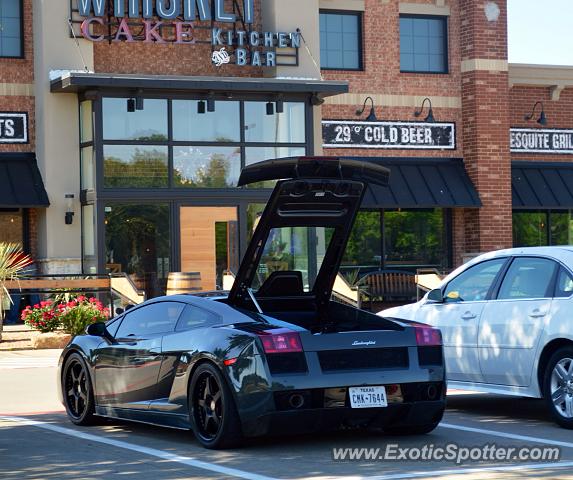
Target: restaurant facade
pixel 124 126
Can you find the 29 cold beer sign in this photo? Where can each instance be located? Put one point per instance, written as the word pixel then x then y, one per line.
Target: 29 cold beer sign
pixel 388 135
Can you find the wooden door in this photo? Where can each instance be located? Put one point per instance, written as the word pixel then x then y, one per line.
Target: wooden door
pixel 201 242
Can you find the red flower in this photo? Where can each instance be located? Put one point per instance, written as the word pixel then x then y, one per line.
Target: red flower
pixel 81 298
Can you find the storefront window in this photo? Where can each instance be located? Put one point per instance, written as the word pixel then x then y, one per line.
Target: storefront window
pixel 86 122
pixel 561 228
pixel 11 226
pixel 137 242
pixel 88 239
pixel 254 213
pixel 259 154
pixel 149 124
pixel 222 125
pixel 206 167
pixel 286 127
pixel 541 228
pixel 415 239
pixel 135 166
pixel 87 158
pixel 529 229
pixel 412 239
pixel 364 247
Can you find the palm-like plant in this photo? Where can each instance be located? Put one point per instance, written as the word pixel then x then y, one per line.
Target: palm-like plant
pixel 12 263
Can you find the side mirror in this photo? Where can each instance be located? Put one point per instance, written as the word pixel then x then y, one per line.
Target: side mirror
pixel 96 329
pixel 99 330
pixel 436 296
pixel 119 311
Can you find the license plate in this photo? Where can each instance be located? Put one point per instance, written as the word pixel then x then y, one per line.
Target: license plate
pixel 367 397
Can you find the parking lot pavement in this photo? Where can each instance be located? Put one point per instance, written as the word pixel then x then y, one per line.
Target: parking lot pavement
pixel 45 445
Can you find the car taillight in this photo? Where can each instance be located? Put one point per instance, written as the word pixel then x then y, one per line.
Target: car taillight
pixel 280 340
pixel 428 336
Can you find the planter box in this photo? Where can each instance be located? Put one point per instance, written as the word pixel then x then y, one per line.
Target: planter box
pixel 50 340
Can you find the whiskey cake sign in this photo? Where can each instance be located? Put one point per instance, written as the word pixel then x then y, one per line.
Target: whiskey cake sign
pixel 389 135
pixel 176 21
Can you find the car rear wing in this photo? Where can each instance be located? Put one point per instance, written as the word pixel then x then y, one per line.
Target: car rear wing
pixel 315 167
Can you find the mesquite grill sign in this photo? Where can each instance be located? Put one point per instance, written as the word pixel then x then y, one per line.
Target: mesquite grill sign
pixel 388 135
pixel 175 21
pixel 537 140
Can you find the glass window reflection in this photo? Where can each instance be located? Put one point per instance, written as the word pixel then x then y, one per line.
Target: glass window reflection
pixel 135 166
pixel 149 124
pixel 259 154
pixel 206 167
pixel 222 125
pixel 286 127
pixel 137 242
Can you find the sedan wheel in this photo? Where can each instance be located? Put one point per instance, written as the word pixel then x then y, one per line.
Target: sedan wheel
pixel 77 391
pixel 215 418
pixel 559 386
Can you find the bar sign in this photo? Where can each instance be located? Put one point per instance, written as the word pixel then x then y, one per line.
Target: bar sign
pixel 13 127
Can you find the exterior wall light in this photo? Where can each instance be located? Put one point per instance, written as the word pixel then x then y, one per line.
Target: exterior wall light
pixel 210 104
pixel 372 115
pixel 542 120
pixel 131 105
pixel 139 100
pixel 430 117
pixel 69 218
pixel 270 108
pixel 201 108
pixel 280 105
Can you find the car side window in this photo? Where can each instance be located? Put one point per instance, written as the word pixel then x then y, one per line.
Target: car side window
pixel 195 317
pixel 473 284
pixel 528 278
pixel 151 319
pixel 564 286
pixel 112 325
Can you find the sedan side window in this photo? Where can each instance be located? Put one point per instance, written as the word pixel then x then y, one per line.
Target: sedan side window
pixel 194 317
pixel 564 287
pixel 473 284
pixel 528 278
pixel 151 319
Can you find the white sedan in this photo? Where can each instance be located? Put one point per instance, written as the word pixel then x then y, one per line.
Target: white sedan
pixel 507 324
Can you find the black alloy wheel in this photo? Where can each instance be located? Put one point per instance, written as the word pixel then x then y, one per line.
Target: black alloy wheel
pixel 77 391
pixel 215 418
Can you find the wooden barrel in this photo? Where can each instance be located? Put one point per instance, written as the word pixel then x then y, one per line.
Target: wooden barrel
pixel 183 282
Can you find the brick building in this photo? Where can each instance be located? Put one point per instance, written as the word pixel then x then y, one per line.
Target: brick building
pixel 140 116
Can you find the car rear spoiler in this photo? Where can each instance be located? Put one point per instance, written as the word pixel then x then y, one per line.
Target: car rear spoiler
pixel 315 167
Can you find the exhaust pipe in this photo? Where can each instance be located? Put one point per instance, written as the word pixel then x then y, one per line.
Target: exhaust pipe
pixel 432 392
pixel 296 400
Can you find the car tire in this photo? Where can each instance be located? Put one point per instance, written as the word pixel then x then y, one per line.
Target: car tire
pixel 77 391
pixel 214 416
pixel 558 386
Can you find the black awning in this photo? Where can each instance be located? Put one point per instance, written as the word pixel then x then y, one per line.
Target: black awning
pixel 542 185
pixel 73 82
pixel 21 184
pixel 423 183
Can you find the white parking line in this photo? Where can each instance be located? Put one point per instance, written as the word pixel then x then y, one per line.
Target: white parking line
pixel 27 362
pixel 512 436
pixel 233 472
pixel 191 462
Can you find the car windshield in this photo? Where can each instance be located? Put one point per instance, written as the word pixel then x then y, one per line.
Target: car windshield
pixel 294 249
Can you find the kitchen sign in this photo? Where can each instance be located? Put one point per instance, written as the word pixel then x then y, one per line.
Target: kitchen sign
pixel 13 127
pixel 174 21
pixel 537 140
pixel 389 135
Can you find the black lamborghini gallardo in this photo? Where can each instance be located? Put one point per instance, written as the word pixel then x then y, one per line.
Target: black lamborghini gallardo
pixel 275 354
